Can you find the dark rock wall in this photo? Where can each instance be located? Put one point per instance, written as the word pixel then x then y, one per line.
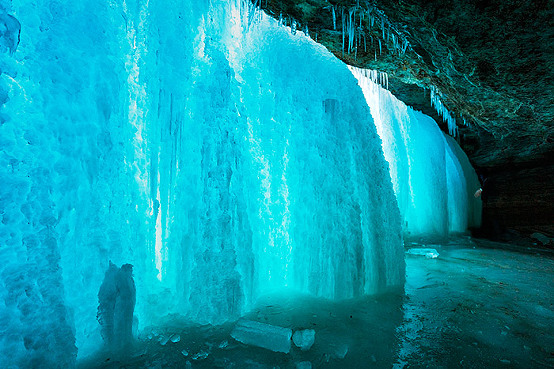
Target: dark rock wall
pixel 519 198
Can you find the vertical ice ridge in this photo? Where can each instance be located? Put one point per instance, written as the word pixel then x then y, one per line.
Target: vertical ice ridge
pixel 432 189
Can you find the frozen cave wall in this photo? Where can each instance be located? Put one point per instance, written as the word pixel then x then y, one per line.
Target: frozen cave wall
pixel 432 178
pixel 491 64
pixel 218 153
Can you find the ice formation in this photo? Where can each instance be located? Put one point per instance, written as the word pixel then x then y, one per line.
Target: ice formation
pixel 220 155
pixel 263 335
pixel 304 338
pixel 432 177
pixel 359 22
pixel 443 112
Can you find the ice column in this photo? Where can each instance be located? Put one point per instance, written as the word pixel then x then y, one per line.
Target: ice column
pixel 432 177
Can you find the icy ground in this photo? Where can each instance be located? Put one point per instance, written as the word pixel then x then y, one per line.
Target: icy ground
pixel 474 306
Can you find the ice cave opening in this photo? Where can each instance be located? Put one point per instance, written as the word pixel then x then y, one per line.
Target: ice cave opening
pixel 199 159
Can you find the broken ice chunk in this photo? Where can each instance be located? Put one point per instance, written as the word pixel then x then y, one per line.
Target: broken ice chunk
pixel 304 339
pixel 175 338
pixel 185 353
pixel 428 253
pixel 263 335
pixel 201 355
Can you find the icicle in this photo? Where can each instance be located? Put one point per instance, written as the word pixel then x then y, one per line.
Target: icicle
pixel 377 77
pixel 343 18
pixel 306 30
pixel 443 112
pixel 280 19
pixel 293 27
pixel 252 12
pixel 334 18
pixel 405 47
pixel 380 50
pixel 351 28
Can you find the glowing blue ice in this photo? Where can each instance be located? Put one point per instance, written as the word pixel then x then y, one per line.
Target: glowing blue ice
pixel 432 177
pixel 220 155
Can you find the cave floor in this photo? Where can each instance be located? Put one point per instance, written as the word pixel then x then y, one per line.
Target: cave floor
pixel 484 306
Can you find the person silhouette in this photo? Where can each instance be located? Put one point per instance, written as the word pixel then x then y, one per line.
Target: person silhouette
pixel 124 307
pixel 106 304
pixel 116 305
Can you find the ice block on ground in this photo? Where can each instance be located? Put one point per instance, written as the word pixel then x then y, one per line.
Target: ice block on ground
pixel 263 335
pixel 428 253
pixel 304 339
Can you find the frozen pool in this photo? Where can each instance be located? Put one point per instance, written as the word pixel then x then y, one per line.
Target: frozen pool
pixel 475 305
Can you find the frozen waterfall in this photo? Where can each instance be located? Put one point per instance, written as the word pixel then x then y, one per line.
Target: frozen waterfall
pixel 431 175
pixel 220 155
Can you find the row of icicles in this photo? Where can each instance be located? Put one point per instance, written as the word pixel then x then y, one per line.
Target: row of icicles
pixel 357 24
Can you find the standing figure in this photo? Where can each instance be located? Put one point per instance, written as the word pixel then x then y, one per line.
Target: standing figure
pixel 106 304
pixel 116 304
pixel 124 307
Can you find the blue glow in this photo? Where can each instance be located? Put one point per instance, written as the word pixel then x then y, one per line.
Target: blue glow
pixel 220 155
pixel 432 177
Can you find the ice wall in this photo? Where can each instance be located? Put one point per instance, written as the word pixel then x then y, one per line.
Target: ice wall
pixel 218 153
pixel 432 177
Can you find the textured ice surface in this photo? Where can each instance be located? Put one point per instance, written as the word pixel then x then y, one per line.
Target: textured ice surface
pixel 304 338
pixel 268 336
pixel 432 177
pixel 220 155
pixel 9 31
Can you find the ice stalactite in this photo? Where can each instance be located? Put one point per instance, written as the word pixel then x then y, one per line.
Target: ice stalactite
pixel 187 139
pixel 358 22
pixel 443 112
pixel 432 177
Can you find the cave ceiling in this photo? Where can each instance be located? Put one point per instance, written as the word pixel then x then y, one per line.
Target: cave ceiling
pixel 490 62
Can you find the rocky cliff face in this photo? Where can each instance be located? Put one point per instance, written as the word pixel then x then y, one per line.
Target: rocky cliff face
pixel 488 63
